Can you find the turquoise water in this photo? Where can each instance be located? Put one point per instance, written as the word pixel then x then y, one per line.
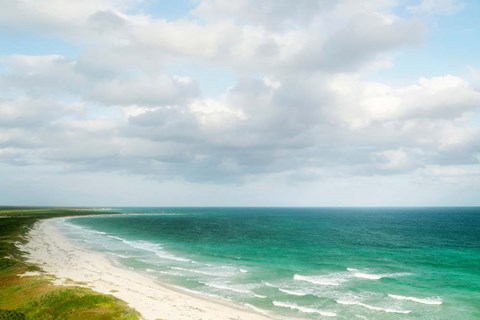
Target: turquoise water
pixel 421 263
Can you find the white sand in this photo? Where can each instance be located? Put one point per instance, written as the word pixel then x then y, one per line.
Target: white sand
pixel 58 256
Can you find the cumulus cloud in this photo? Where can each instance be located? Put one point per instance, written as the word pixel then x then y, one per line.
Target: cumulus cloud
pixel 272 14
pixel 301 109
pixel 53 16
pixel 145 91
pixel 362 39
pixel 38 75
pixel 444 97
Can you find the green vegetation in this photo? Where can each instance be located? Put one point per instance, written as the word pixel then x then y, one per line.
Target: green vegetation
pixel 34 297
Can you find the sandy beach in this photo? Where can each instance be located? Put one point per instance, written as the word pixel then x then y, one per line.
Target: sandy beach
pixel 58 256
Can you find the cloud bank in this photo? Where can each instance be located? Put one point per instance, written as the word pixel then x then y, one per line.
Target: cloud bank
pixel 304 107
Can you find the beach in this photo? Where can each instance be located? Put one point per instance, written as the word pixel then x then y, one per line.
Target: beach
pixel 260 263
pixel 71 264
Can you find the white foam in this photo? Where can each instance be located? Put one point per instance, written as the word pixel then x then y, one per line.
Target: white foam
pixel 367 276
pixel 154 248
pixel 362 275
pixel 243 270
pixel 116 238
pixel 152 214
pixel 387 310
pixel 178 274
pixel 82 229
pixel 260 296
pixel 328 280
pixel 225 287
pixel 207 273
pixel 169 256
pixel 293 292
pixel 118 255
pixel 432 301
pixel 397 274
pixel 370 276
pixel 303 309
pixel 257 309
pixel 142 245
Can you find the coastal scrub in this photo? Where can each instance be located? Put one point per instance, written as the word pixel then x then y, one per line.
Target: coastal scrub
pixel 25 293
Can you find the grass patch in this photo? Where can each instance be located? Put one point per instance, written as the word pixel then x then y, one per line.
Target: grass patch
pixel 34 297
pixel 77 303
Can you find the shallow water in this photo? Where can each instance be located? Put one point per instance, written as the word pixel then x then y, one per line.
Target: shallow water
pixel 416 263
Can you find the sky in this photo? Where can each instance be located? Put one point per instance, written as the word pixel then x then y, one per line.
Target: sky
pixel 240 103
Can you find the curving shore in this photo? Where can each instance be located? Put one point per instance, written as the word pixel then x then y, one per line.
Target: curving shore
pixel 58 256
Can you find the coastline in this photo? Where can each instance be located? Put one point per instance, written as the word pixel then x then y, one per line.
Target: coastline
pixel 70 264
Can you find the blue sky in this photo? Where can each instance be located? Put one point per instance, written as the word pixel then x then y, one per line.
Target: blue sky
pixel 232 103
pixel 449 47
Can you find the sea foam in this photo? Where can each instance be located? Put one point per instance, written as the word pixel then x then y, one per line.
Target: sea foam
pixel 436 301
pixel 225 287
pixel 293 292
pixel 214 272
pixel 154 248
pixel 303 309
pixel 367 306
pixel 370 276
pixel 327 280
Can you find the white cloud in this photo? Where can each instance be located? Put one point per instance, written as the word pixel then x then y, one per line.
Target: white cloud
pixel 465 176
pixel 147 91
pixel 395 160
pixel 41 74
pixel 269 13
pixel 362 103
pixel 301 109
pixel 215 115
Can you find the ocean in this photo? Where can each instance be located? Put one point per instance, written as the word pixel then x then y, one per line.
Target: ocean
pixel 312 263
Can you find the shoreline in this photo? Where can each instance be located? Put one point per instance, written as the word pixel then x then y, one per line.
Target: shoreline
pixel 55 254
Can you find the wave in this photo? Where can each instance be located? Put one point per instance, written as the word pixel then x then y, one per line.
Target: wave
pixel 303 309
pixel 118 255
pixel 177 274
pixel 387 310
pixel 258 310
pixel 81 229
pixel 142 245
pixel 154 248
pixel 370 276
pixel 207 273
pixel 336 279
pixel 151 214
pixel 436 301
pixel 194 271
pixel 293 292
pixel 367 276
pixel 328 280
pixel 225 287
pixel 116 238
